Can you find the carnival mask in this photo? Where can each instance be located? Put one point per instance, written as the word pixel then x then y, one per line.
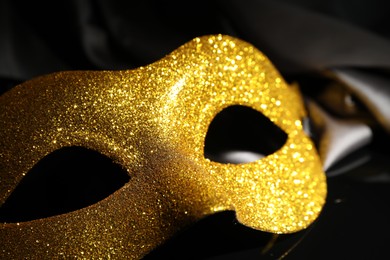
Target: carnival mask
pixel 153 121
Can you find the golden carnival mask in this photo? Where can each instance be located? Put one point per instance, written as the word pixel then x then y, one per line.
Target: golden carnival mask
pixel 153 122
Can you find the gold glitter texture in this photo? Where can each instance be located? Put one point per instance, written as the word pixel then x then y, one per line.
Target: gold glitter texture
pixel 153 121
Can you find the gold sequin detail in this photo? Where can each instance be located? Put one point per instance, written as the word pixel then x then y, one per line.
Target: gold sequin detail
pixel 153 121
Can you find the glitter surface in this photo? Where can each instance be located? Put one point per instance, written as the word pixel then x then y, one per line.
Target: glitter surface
pixel 153 121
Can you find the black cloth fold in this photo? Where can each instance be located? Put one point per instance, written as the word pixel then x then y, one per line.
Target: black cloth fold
pixel 41 37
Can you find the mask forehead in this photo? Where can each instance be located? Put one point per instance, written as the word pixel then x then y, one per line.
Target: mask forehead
pixel 153 121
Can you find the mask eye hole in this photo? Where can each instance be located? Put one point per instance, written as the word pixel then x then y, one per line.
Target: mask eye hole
pixel 240 134
pixel 68 179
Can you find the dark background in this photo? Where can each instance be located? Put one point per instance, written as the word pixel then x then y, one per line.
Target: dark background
pixel 303 38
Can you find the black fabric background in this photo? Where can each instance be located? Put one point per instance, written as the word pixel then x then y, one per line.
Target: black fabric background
pixel 302 38
pixel 299 36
